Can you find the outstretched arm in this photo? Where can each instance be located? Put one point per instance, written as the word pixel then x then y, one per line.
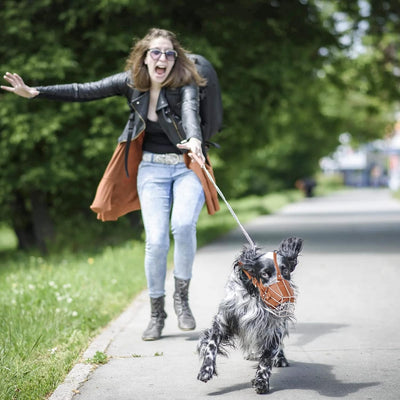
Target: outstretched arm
pixel 18 86
pixel 114 85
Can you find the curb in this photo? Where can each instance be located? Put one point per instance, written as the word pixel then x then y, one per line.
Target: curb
pixel 81 371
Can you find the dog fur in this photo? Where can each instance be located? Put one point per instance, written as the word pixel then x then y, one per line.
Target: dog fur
pixel 245 319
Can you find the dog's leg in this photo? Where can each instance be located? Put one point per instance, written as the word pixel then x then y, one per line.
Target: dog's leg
pixel 280 360
pixel 208 348
pixel 263 373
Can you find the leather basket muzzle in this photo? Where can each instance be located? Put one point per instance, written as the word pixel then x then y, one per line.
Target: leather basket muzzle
pixel 279 295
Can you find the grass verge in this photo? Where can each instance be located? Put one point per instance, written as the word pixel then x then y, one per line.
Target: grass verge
pixel 50 308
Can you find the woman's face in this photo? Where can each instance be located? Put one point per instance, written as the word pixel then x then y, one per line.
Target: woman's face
pixel 159 64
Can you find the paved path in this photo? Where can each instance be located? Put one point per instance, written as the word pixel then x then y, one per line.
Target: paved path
pixel 346 343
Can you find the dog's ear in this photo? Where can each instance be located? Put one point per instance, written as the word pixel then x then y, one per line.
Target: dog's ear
pixel 290 249
pixel 248 257
pixel 247 261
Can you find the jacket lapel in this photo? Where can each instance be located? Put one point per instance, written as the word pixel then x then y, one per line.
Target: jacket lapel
pixel 140 103
pixel 162 101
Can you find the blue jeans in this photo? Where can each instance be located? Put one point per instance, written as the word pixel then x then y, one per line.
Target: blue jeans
pixel 168 193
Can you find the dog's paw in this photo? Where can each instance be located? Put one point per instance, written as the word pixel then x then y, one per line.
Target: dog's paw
pixel 260 386
pixel 206 373
pixel 281 362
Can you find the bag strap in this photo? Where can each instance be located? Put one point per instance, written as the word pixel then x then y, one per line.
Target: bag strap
pixel 135 94
pixel 128 142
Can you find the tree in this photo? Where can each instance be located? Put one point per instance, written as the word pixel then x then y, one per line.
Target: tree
pixel 287 83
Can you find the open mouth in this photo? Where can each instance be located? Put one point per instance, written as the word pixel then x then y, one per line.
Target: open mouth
pixel 160 70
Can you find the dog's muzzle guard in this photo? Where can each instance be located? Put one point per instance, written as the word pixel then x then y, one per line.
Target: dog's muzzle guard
pixel 279 296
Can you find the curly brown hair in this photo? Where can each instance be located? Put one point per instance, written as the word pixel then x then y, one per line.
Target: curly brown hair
pixel 183 72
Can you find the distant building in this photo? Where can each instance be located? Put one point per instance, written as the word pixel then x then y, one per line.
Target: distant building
pixel 372 164
pixel 393 152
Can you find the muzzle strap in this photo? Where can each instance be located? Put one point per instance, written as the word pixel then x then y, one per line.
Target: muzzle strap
pixel 277 293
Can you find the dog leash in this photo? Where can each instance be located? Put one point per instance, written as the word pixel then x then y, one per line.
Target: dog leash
pixel 203 167
pixel 279 297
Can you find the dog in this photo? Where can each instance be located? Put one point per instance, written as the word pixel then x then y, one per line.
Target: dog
pixel 244 316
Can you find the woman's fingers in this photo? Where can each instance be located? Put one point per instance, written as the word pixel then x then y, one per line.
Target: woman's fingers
pixel 18 86
pixel 194 147
pixel 14 79
pixel 8 88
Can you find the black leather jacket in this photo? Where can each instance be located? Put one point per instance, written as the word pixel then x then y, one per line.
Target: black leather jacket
pixel 177 109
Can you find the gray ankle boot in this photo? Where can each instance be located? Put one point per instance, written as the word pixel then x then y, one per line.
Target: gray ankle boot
pixel 156 324
pixel 186 320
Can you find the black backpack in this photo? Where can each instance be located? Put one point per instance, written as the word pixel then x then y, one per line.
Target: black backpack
pixel 211 112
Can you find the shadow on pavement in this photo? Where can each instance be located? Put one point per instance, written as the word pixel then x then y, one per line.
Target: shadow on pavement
pixel 231 389
pixel 304 376
pixel 317 377
pixel 308 332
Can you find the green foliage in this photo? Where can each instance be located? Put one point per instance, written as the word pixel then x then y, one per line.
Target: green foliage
pixel 289 88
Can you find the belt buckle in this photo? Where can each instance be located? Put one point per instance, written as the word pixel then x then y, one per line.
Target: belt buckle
pixel 172 158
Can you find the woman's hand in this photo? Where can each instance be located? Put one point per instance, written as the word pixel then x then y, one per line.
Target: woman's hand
pixel 194 147
pixel 18 86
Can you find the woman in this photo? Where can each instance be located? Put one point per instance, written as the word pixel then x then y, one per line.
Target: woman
pixel 150 168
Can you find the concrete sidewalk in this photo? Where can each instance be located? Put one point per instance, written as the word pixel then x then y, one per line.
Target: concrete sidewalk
pixel 346 342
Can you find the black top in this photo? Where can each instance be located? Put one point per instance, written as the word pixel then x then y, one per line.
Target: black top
pixel 156 141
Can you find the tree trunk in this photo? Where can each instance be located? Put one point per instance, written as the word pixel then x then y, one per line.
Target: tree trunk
pixel 43 227
pixel 22 223
pixel 32 224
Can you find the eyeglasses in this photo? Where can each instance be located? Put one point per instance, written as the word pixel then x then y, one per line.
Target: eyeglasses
pixel 170 55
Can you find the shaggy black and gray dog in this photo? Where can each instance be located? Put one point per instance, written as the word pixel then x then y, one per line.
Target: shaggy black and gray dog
pixel 245 317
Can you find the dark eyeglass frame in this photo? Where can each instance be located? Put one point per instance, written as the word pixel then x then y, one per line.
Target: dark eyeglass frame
pixel 170 55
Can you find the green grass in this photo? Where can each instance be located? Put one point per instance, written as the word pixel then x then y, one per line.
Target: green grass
pixel 7 238
pixel 396 194
pixel 51 307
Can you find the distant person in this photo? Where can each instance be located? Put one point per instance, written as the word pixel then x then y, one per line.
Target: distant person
pixel 377 176
pixel 160 82
pixel 307 186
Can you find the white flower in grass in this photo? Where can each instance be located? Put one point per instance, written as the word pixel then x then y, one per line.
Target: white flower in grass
pixel 53 350
pixel 74 313
pixel 31 287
